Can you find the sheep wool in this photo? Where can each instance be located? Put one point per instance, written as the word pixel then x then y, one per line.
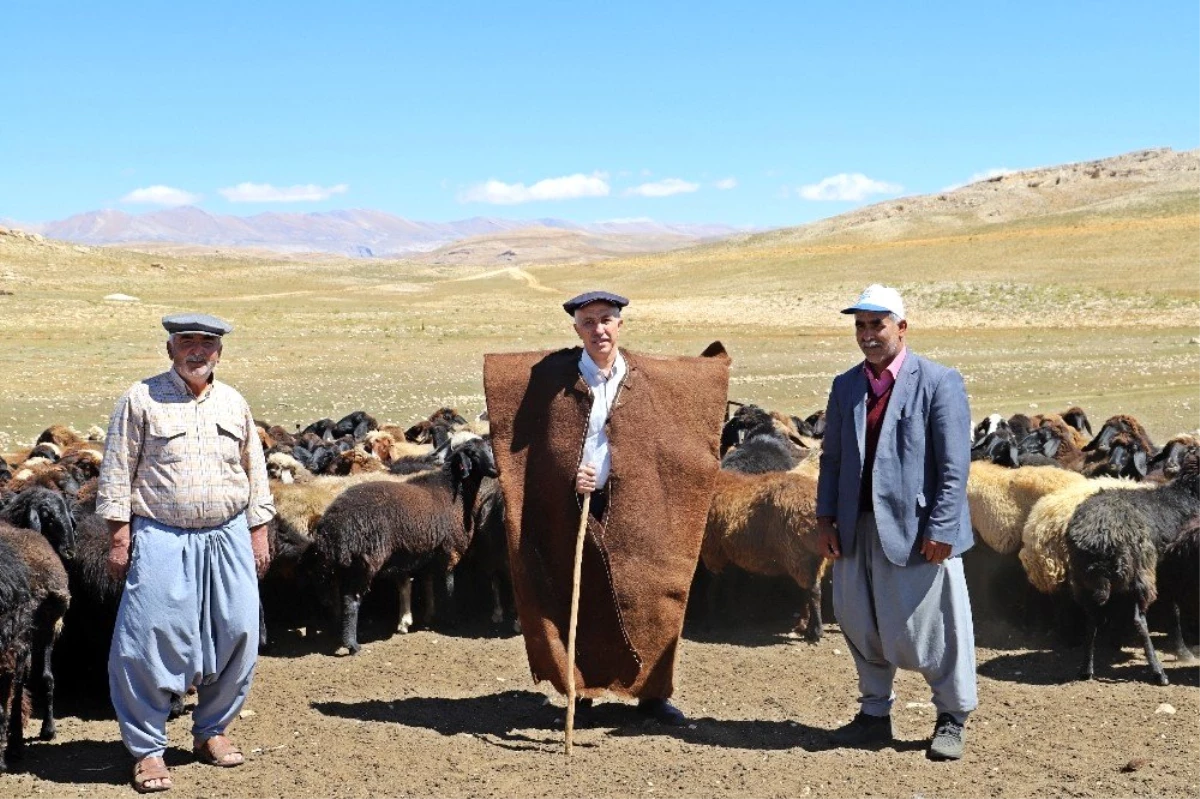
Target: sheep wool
pixel 1044 537
pixel 1000 499
pixel 664 432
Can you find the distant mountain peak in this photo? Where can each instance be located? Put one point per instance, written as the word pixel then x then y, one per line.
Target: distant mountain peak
pixel 358 232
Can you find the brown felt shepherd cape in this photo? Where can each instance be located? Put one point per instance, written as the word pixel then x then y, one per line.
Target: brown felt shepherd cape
pixel 663 431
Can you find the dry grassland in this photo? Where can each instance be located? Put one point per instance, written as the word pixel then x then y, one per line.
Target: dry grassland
pixel 1096 307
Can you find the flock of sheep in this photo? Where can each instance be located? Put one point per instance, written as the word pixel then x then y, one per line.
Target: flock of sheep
pixel 1111 522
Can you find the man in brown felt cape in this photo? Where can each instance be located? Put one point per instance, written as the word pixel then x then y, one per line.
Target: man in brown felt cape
pixel 640 433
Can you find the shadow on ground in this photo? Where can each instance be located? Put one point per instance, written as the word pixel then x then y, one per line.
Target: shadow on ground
pixel 86 762
pixel 524 719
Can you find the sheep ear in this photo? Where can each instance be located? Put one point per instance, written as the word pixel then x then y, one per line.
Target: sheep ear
pixel 1139 463
pixel 1050 446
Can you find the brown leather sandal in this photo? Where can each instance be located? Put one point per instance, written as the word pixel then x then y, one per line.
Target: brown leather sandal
pixel 149 769
pixel 218 751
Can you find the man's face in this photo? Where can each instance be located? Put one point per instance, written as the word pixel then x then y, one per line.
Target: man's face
pixel 598 326
pixel 194 355
pixel 879 336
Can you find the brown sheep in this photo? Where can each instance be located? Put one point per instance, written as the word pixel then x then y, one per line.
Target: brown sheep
pixel 51 598
pixel 1121 423
pixel 1055 439
pixel 60 435
pixel 766 524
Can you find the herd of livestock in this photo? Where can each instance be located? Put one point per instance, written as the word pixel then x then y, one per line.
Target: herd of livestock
pixel 1107 524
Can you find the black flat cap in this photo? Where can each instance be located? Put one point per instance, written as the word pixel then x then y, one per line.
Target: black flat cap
pixel 200 323
pixel 575 303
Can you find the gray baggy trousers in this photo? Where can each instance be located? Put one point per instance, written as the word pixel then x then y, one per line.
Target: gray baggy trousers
pixel 189 616
pixel 916 618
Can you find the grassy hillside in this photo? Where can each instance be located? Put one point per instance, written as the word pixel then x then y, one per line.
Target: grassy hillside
pixel 1096 305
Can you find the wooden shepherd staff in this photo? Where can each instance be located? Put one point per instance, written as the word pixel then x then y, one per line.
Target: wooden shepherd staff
pixel 587 506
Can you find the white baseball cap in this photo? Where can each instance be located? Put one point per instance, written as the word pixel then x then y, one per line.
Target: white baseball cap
pixel 879 299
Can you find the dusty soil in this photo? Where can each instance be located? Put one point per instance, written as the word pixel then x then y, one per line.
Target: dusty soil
pixel 434 714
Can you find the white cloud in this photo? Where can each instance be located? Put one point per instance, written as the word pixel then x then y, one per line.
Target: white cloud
pixel 725 184
pixel 986 174
pixel 663 188
pixel 850 187
pixel 161 195
pixel 266 193
pixel 568 187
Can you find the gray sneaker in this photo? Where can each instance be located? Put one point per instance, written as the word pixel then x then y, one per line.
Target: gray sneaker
pixel 948 738
pixel 864 730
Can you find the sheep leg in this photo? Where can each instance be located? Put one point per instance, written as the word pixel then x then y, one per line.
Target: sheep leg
pixel 176 709
pixel 406 615
pixel 350 606
pixel 1183 652
pixel 1139 620
pixel 1089 646
pixel 264 642
pixel 811 619
pixel 444 589
pixel 430 603
pixel 6 691
pixel 497 605
pixel 43 672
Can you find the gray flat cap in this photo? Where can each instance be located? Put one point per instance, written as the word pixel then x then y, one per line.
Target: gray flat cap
pixel 587 298
pixel 200 323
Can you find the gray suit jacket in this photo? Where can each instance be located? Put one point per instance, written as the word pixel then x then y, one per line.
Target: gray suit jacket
pixel 921 464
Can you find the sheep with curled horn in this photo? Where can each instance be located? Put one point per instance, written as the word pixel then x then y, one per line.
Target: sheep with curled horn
pixel 394 529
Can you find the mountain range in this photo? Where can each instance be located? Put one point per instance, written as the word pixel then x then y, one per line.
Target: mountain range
pixel 355 232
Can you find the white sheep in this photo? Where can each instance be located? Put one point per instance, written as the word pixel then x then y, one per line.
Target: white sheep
pixel 1000 499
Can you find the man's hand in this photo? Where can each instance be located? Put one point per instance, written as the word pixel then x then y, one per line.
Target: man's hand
pixel 827 538
pixel 118 550
pixel 262 552
pixel 935 551
pixel 585 479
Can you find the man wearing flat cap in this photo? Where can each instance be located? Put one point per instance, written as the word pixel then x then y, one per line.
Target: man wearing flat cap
pixel 640 434
pixel 183 486
pixel 892 515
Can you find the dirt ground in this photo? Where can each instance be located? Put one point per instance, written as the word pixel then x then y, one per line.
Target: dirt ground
pixel 456 714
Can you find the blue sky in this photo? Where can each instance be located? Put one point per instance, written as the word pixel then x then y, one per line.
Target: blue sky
pixel 748 113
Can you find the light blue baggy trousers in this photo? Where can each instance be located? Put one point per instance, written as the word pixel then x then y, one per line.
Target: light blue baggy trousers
pixel 189 616
pixel 915 617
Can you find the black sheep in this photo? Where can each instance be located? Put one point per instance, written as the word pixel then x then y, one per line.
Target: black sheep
pixel 395 528
pixel 44 511
pixel 744 419
pixel 16 623
pixel 764 449
pixel 356 424
pixel 1113 541
pixel 82 654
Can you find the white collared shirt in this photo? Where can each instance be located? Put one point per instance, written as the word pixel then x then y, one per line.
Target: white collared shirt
pixel 604 391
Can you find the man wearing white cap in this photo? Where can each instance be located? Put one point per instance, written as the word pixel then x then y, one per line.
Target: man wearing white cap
pixel 892 514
